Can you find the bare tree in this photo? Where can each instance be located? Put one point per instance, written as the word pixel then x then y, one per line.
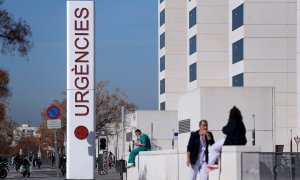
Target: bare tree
pixel 14 38
pixel 14 34
pixel 6 135
pixel 108 107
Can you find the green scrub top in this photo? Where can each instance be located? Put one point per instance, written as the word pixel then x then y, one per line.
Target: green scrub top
pixel 144 139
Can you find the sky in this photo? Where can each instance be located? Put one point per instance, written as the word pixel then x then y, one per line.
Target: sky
pixel 126 54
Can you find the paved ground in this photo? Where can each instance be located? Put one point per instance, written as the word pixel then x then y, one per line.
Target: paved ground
pixel 48 173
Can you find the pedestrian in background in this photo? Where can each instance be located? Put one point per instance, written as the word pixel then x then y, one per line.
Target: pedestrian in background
pixel 110 160
pixel 197 151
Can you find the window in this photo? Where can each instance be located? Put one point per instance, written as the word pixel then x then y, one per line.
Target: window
pixel 193 72
pixel 161 1
pixel 163 106
pixel 238 80
pixel 238 17
pixel 162 86
pixel 184 126
pixel 192 17
pixel 162 40
pixel 193 44
pixel 238 51
pixel 162 64
pixel 162 17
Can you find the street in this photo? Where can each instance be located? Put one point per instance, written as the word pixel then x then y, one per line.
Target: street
pixel 50 174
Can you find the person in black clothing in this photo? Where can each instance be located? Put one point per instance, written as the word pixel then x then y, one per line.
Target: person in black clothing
pixel 197 151
pixel 235 132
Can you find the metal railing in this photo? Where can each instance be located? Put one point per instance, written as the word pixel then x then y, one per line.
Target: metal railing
pixel 270 166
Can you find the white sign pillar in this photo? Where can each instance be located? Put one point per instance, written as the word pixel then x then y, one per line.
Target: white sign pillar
pixel 298 66
pixel 80 90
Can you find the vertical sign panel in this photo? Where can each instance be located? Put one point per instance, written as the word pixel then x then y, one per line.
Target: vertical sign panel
pixel 80 90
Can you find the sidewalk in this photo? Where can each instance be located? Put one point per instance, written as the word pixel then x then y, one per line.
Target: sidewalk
pixel 112 175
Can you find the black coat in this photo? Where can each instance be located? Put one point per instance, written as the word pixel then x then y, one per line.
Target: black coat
pixel 235 133
pixel 193 146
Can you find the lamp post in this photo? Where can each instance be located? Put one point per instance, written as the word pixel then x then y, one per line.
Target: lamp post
pixel 173 139
pixel 253 130
pixel 291 141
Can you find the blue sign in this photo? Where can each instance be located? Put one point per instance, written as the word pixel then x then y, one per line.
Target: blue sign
pixel 53 112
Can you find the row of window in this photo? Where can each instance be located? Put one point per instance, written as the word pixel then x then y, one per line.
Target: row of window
pixel 192 75
pixel 237 80
pixel 238 46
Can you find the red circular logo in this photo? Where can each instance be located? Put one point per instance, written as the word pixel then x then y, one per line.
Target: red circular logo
pixel 81 132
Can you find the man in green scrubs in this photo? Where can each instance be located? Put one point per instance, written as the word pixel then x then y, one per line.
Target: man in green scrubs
pixel 143 145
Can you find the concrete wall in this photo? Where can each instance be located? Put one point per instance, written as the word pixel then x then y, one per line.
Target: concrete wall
pixel 171 165
pixel 214 104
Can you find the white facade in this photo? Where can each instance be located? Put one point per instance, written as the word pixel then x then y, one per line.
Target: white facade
pixel 248 43
pixel 207 20
pixel 262 53
pixel 214 104
pixel 298 65
pixel 172 49
pixel 25 130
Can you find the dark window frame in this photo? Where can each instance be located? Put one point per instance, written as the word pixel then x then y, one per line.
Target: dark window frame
pixel 192 17
pixel 162 106
pixel 238 80
pixel 238 51
pixel 162 86
pixel 238 17
pixel 193 72
pixel 193 45
pixel 162 40
pixel 162 63
pixel 162 16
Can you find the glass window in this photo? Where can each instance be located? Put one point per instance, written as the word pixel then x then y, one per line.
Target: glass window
pixel 238 17
pixel 193 44
pixel 162 86
pixel 192 17
pixel 162 40
pixel 162 17
pixel 161 1
pixel 238 80
pixel 163 106
pixel 193 72
pixel 238 51
pixel 162 64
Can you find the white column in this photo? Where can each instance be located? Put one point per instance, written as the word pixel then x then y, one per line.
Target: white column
pixel 298 65
pixel 80 90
